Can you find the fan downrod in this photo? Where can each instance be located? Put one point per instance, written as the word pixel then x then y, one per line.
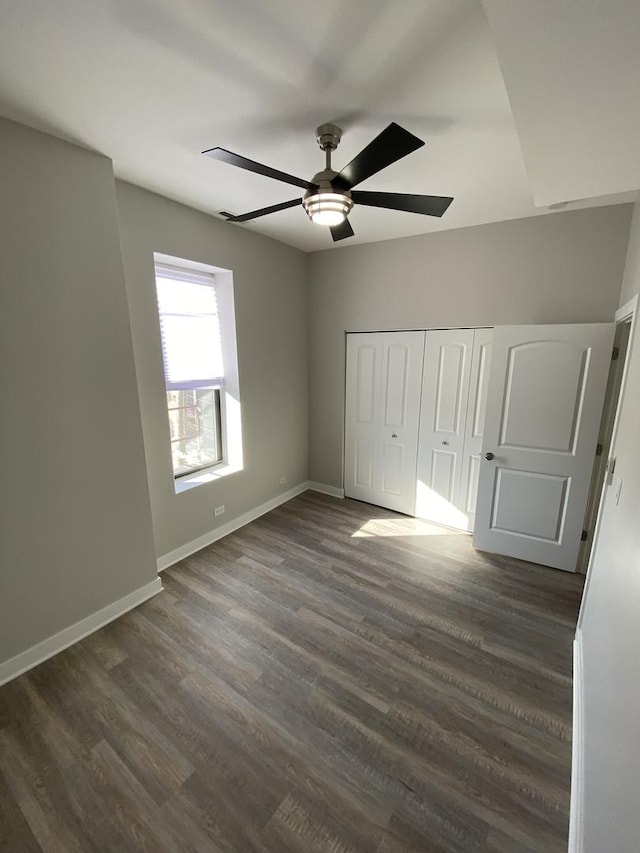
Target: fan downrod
pixel 328 137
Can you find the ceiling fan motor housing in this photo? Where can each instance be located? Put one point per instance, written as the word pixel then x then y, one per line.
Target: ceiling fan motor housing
pixel 322 181
pixel 322 199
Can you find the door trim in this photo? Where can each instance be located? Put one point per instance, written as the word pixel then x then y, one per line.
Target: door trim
pixel 576 808
pixel 626 313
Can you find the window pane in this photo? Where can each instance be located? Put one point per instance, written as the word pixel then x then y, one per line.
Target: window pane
pixel 194 422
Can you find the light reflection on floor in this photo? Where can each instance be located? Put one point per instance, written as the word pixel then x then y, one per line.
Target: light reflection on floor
pixel 405 526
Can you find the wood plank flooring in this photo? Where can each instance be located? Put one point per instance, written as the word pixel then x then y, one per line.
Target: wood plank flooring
pixel 332 678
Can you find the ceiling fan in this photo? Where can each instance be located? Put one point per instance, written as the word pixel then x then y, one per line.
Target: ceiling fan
pixel 329 195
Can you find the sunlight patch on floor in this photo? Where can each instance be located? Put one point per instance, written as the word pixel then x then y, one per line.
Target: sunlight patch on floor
pixel 430 503
pixel 403 527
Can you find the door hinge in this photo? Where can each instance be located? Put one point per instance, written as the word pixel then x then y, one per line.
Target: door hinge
pixel 599 449
pixel 585 533
pixel 615 354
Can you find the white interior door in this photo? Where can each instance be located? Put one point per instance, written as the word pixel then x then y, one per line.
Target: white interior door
pixel 382 409
pixel 445 392
pixel 544 402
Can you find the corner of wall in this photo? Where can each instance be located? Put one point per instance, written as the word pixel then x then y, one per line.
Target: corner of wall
pixel 631 278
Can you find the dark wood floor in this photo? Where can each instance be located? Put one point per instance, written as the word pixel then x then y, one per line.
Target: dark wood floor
pixel 332 678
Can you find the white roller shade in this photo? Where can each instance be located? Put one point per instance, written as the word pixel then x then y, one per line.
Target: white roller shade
pixel 190 329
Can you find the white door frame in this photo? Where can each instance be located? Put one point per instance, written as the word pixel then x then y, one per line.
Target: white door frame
pixel 621 342
pixel 627 313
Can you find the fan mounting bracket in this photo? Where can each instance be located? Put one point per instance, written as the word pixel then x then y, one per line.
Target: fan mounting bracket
pixel 328 136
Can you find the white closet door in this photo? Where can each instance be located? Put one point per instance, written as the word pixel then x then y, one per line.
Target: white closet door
pixel 382 409
pixel 478 383
pixel 546 388
pixel 445 389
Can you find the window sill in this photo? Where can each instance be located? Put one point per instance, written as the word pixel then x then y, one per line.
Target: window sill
pixel 201 478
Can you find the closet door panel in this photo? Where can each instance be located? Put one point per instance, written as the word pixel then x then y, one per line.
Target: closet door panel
pixel 474 431
pixel 364 463
pixel 443 412
pixel 469 489
pixel 382 409
pixel 449 390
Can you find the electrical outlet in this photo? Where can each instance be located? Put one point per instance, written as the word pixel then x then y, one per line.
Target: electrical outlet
pixel 218 510
pixel 283 480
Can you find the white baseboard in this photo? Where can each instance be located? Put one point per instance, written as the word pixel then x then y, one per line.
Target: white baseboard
pixel 577 751
pixel 212 536
pixel 334 491
pixel 26 660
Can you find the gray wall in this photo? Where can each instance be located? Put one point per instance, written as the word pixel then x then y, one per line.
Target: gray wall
pixel 270 286
pixel 75 521
pixel 610 629
pixel 561 268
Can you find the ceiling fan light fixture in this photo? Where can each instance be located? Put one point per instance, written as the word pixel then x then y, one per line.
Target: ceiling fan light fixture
pixel 327 208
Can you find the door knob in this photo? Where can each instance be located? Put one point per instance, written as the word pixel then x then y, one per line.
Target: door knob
pixel 394 435
pixel 488 456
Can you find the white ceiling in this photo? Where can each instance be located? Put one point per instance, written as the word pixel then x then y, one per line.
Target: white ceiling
pixel 572 70
pixel 151 83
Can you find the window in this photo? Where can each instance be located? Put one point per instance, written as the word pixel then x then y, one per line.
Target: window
pixel 193 366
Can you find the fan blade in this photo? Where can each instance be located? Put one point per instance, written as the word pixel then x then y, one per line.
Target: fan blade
pixel 429 205
pixel 252 166
pixel 245 217
pixel 392 144
pixel 342 231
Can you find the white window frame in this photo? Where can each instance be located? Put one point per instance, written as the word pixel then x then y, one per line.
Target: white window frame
pixel 230 406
